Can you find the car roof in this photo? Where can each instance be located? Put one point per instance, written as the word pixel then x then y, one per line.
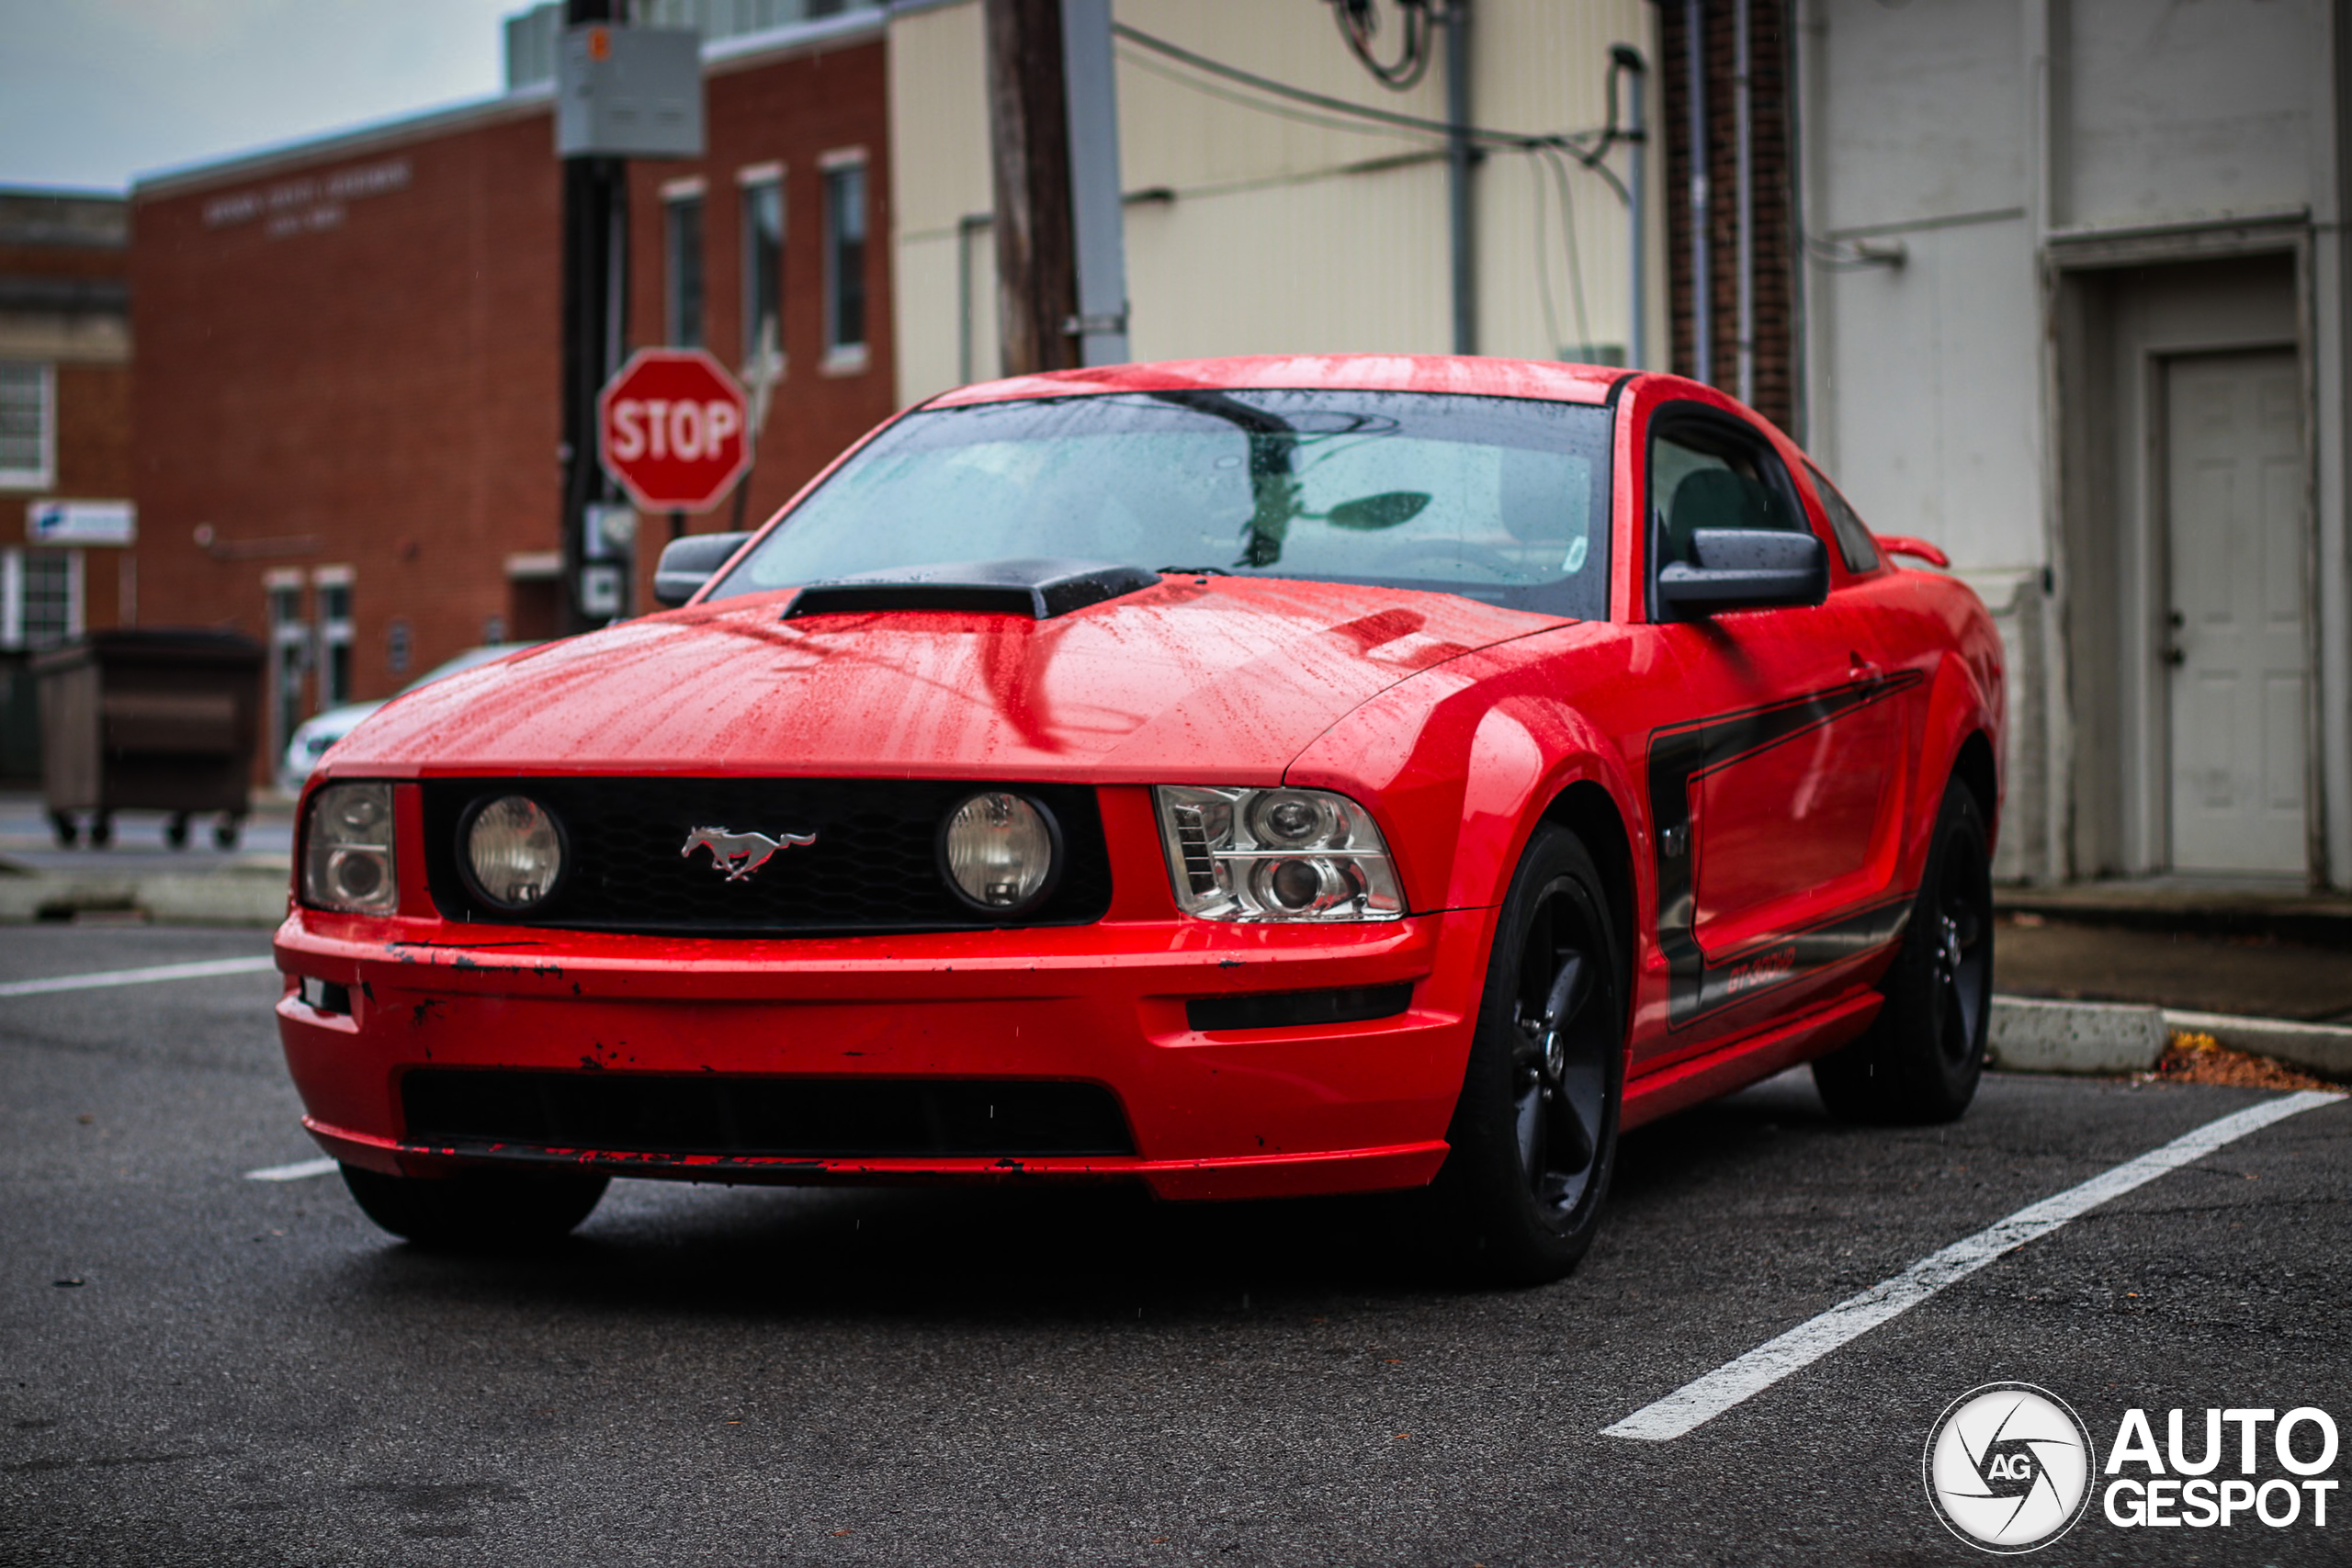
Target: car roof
pixel 1471 375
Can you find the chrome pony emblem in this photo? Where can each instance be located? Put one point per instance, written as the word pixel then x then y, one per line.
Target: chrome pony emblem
pixel 740 855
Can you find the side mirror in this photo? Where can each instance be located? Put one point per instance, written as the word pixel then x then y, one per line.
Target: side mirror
pixel 1746 569
pixel 687 563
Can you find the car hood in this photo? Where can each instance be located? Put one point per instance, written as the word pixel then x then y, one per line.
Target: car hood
pixel 1223 678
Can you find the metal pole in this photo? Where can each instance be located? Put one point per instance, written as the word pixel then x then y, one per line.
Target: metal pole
pixel 1702 358
pixel 1461 159
pixel 1637 334
pixel 596 194
pixel 1097 220
pixel 1743 127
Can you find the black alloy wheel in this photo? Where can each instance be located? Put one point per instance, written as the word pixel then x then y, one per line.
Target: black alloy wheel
pixel 1922 1058
pixel 1534 1134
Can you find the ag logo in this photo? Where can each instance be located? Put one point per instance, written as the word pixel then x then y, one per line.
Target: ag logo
pixel 2008 1467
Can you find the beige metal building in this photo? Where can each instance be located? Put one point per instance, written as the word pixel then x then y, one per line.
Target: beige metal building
pixel 1261 224
pixel 2076 308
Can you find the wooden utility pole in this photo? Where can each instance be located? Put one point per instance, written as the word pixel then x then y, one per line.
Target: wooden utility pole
pixel 1029 146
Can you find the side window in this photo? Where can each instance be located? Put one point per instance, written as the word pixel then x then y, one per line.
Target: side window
pixel 1854 541
pixel 1702 476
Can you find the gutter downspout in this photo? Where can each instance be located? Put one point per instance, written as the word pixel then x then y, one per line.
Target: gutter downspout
pixel 1461 159
pixel 1637 211
pixel 1744 129
pixel 1702 358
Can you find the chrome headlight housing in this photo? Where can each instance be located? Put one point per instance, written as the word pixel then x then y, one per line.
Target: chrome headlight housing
pixel 512 850
pixel 1276 855
pixel 348 850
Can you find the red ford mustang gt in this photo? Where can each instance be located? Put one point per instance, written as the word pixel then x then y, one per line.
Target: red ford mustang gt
pixel 1245 778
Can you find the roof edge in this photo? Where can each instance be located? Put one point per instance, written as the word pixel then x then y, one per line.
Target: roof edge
pixel 718 56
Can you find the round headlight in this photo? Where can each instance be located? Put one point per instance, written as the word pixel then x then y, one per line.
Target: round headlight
pixel 1304 886
pixel 997 850
pixel 1293 818
pixel 513 852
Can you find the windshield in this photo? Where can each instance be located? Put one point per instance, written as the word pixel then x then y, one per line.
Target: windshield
pixel 1505 500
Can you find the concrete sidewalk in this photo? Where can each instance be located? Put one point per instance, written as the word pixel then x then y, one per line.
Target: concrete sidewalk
pixel 2099 979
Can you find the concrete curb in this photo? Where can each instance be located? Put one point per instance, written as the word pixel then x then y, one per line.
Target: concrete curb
pixel 2029 1036
pixel 240 898
pixel 2321 1048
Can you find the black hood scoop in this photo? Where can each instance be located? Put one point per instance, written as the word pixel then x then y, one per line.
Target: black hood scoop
pixel 1039 588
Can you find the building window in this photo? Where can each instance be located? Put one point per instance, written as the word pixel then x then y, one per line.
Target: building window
pixel 846 260
pixel 40 597
pixel 683 213
pixel 289 655
pixel 335 635
pixel 764 274
pixel 28 424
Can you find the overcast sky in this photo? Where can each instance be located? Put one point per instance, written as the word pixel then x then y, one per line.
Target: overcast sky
pixel 96 93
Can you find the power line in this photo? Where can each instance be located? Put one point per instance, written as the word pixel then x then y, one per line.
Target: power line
pixel 1569 142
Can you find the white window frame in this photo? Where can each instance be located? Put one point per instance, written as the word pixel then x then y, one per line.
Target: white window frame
pixel 44 474
pixel 333 633
pixel 290 635
pixel 759 364
pixel 12 593
pixel 842 358
pixel 674 195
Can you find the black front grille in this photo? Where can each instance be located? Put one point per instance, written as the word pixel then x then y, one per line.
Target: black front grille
pixel 874 866
pixel 727 1115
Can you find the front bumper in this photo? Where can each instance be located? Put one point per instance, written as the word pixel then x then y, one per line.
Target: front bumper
pixel 1227 1113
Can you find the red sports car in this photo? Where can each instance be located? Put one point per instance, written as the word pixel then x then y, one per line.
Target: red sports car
pixel 1244 777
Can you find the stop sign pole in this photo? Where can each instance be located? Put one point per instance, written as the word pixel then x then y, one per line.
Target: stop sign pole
pixel 671 430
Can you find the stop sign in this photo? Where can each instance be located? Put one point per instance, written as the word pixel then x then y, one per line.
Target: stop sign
pixel 670 428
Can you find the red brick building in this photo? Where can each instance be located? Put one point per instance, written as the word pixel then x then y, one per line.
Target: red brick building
pixel 347 400
pixel 64 436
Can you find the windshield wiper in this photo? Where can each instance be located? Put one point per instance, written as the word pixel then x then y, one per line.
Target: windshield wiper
pixel 1192 571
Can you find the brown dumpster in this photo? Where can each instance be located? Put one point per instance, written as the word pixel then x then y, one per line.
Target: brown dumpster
pixel 149 721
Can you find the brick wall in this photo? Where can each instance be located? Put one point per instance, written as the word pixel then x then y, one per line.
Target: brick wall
pixel 350 356
pixel 1774 333
pixel 793 112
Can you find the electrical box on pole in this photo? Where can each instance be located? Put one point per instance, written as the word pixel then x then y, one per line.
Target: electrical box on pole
pixel 628 93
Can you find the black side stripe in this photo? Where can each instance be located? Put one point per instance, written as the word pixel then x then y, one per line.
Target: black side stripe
pixel 1679 754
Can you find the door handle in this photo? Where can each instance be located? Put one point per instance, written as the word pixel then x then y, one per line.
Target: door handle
pixel 2174 654
pixel 1859 668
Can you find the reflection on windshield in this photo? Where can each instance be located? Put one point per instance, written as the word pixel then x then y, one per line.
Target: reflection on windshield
pixel 1502 498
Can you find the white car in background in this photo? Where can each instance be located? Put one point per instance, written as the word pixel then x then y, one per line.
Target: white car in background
pixel 321 730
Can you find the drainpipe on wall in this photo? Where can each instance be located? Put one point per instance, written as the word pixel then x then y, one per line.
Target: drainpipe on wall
pixel 1629 60
pixel 1703 359
pixel 1744 129
pixel 1460 158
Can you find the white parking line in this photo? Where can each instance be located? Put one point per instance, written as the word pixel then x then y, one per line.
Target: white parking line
pixel 1696 1402
pixel 106 977
pixel 295 1172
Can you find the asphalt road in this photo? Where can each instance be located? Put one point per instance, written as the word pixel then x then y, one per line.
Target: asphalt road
pixel 247 1373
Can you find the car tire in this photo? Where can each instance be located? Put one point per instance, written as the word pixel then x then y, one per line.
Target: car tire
pixel 1535 1133
pixel 1922 1056
pixel 476 1210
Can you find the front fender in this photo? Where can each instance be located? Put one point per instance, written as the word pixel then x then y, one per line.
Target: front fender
pixel 1458 765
